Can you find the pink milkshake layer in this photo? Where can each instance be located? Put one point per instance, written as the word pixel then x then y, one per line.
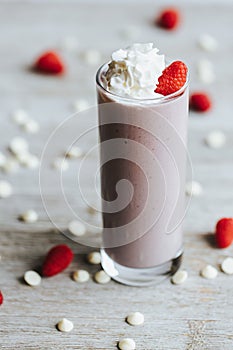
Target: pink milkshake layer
pixel 143 166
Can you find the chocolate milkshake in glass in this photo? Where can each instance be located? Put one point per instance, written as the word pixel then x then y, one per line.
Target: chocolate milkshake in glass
pixel 143 163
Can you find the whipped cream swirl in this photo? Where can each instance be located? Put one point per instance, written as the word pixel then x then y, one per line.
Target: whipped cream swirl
pixel 134 72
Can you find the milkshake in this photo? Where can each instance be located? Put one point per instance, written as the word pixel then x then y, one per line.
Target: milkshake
pixel 143 135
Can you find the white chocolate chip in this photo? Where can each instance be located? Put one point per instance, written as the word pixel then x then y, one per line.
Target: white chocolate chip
pixel 61 164
pixel 32 278
pixel 65 325
pixel 209 272
pixel 31 126
pixel 29 216
pixel 92 57
pixel 205 71
pixel 31 161
pixel 22 158
pixel 74 152
pixel 20 116
pixel 208 43
pixel 81 276
pixel 80 105
pixel 215 139
pixel 179 277
pixel 28 160
pixel 101 277
pixel 127 344
pixel 77 228
pixel 5 189
pixel 18 146
pixel 94 258
pixel 135 319
pixel 227 266
pixel 193 188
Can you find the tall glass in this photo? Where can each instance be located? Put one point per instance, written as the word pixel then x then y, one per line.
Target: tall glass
pixel 143 168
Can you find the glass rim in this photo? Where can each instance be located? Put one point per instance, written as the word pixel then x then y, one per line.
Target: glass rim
pixel 135 100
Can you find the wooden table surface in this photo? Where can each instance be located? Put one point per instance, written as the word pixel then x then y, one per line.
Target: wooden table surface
pixel 196 315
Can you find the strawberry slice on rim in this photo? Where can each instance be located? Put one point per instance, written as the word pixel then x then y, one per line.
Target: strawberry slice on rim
pixel 172 79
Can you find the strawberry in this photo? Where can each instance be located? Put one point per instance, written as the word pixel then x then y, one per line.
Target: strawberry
pixel 172 78
pixel 200 102
pixel 224 232
pixel 1 298
pixel 169 19
pixel 50 63
pixel 57 260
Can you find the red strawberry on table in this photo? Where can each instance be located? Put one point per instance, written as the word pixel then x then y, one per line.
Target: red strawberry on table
pixel 172 78
pixel 200 102
pixel 57 260
pixel 169 19
pixel 50 63
pixel 224 232
pixel 1 298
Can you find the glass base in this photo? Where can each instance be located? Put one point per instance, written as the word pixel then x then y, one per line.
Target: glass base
pixel 140 277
